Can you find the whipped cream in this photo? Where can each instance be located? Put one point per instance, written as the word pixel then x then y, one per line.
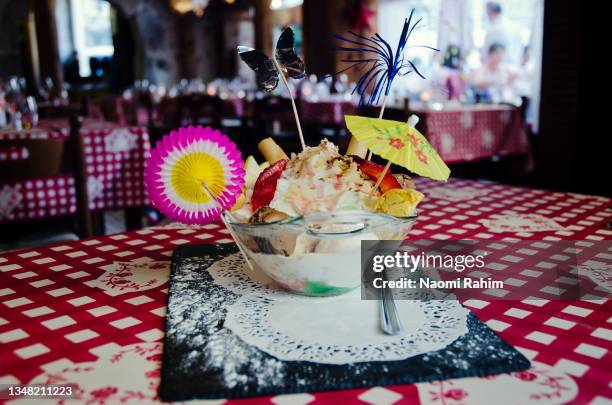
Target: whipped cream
pixel 319 179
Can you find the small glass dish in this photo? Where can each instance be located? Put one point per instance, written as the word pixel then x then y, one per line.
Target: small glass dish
pixel 318 254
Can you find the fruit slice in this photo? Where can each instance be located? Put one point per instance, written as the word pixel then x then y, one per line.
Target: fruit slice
pixel 239 201
pixel 373 171
pixel 253 170
pixel 398 202
pixel 265 186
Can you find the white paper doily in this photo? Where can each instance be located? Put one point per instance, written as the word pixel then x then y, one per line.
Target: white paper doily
pixel 232 273
pixel 343 329
pixel 334 330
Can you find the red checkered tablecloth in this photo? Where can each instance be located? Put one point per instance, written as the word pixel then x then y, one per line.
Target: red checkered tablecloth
pixel 475 132
pixel 12 153
pixel 91 312
pixel 114 158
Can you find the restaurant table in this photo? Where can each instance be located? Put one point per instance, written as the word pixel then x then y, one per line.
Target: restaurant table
pixel 166 112
pixel 92 312
pixel 125 110
pixel 114 158
pixel 237 108
pixel 131 114
pixel 474 132
pixel 326 112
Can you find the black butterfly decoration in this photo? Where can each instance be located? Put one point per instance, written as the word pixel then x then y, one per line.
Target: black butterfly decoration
pixel 265 72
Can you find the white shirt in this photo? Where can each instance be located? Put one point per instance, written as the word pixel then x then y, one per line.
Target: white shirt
pixel 503 32
pixel 499 83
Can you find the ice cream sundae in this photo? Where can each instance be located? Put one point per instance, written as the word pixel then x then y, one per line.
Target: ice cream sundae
pixel 301 219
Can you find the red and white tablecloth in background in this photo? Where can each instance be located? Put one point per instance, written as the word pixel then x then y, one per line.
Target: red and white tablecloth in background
pixel 91 312
pixel 237 108
pixel 470 133
pixel 128 111
pixel 326 112
pixel 125 111
pixel 13 153
pixel 114 158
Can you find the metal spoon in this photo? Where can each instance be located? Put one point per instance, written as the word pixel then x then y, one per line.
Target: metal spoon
pixel 389 317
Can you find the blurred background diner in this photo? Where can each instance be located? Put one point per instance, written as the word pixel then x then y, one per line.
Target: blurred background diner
pixel 86 86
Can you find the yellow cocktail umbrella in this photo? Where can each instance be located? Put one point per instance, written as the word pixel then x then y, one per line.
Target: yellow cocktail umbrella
pixel 399 143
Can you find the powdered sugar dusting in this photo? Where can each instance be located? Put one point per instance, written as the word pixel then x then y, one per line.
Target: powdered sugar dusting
pixel 196 320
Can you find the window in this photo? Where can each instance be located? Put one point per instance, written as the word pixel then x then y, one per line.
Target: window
pixel 391 15
pixel 463 23
pixel 92 31
pixel 289 15
pixel 521 13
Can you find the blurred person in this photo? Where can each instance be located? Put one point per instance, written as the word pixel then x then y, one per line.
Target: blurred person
pixel 525 73
pixel 495 80
pixel 525 81
pixel 501 31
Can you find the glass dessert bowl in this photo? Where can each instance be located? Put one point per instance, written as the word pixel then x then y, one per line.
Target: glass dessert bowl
pixel 318 254
pixel 302 219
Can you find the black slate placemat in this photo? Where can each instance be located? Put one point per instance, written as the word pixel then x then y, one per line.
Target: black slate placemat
pixel 203 360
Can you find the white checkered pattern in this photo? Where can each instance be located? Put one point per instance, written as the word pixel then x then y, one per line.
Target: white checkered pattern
pixel 56 318
pixel 115 177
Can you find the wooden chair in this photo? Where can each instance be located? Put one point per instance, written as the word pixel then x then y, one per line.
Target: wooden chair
pixel 109 106
pixel 167 112
pixel 48 110
pixel 138 111
pixel 47 157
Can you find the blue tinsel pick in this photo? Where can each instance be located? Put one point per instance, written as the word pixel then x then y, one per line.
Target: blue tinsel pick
pixel 380 63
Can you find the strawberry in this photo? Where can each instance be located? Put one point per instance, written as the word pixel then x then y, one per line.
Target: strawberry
pixel 265 186
pixel 373 171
